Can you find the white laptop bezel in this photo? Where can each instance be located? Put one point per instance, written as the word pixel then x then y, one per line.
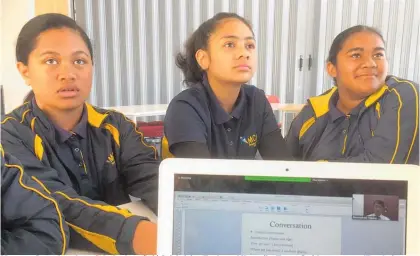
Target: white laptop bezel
pixel 170 167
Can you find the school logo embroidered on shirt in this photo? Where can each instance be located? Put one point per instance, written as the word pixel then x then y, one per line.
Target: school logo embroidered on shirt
pixel 111 159
pixel 250 141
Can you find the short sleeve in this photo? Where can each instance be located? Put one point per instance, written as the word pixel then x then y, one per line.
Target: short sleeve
pixel 184 124
pixel 269 120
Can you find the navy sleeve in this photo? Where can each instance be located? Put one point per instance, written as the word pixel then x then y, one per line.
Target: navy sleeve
pixel 184 124
pixel 32 222
pixel 138 164
pixel 395 139
pixel 296 131
pixel 269 120
pixel 272 145
pixel 84 216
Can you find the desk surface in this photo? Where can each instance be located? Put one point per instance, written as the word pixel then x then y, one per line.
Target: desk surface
pixel 287 108
pixel 142 110
pixel 160 109
pixel 137 208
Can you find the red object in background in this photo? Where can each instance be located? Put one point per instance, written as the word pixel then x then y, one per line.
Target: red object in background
pixel 151 129
pixel 273 99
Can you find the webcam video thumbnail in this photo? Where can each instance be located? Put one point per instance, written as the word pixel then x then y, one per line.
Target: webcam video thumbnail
pixel 375 207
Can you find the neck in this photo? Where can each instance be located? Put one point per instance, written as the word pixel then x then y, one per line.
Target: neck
pixel 346 102
pixel 226 93
pixel 65 119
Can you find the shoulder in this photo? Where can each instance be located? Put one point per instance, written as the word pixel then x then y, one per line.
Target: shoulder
pixel 191 95
pixel 18 115
pixel 193 99
pixel 402 88
pixel 256 99
pixel 254 92
pixel 107 118
pixel 16 126
pixel 304 121
pixel 383 217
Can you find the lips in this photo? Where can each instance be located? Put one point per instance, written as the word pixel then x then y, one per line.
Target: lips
pixel 68 91
pixel 243 67
pixel 367 75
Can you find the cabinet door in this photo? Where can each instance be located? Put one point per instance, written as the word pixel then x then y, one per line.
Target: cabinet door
pixel 299 20
pixel 310 53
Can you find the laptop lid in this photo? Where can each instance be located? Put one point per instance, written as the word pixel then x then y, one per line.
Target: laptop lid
pixel 268 207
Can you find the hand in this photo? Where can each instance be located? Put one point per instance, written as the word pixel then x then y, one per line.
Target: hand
pixel 145 238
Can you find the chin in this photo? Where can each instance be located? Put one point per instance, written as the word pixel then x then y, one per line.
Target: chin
pixel 369 89
pixel 242 79
pixel 70 106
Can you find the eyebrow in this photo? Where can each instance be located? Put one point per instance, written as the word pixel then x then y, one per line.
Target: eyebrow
pixel 81 52
pixel 236 37
pixel 56 53
pixel 48 52
pixel 362 49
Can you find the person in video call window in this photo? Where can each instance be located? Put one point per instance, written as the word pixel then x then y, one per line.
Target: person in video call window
pixel 87 158
pixel 379 209
pixel 219 116
pixel 369 116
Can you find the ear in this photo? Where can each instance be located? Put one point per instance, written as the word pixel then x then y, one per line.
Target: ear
pixel 24 72
pixel 331 70
pixel 203 59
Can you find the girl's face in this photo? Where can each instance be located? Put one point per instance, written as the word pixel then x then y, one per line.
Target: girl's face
pixel 361 67
pixel 231 56
pixel 59 70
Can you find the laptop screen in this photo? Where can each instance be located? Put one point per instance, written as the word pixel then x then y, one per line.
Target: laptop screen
pixel 284 215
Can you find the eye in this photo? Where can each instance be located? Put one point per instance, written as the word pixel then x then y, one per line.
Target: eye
pixel 379 55
pixel 51 62
pixel 229 45
pixel 80 62
pixel 250 46
pixel 355 55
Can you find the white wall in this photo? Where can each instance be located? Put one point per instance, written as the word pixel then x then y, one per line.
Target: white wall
pixel 13 15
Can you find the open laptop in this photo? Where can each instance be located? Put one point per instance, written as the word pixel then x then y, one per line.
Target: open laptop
pixel 272 207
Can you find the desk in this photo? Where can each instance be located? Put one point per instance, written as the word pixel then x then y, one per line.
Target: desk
pixel 160 109
pixel 137 208
pixel 142 110
pixel 287 108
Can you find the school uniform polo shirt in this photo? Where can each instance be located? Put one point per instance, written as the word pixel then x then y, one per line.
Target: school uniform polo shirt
pixel 73 146
pixel 384 128
pixel 341 134
pixel 195 115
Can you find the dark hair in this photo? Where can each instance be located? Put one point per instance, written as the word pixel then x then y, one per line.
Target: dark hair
pixel 380 202
pixel 339 40
pixel 28 35
pixel 199 40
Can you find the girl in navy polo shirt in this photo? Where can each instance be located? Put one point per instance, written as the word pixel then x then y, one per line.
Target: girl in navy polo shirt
pixel 219 116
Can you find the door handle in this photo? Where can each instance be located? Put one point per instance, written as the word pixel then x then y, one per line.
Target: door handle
pixel 300 63
pixel 310 62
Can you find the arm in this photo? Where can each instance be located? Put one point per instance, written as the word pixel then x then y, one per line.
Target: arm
pixel 272 145
pixel 397 130
pixel 292 137
pixel 186 131
pixel 99 225
pixel 191 150
pixel 139 164
pixel 31 220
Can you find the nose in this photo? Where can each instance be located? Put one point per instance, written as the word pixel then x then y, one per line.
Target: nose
pixel 369 62
pixel 243 52
pixel 66 72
